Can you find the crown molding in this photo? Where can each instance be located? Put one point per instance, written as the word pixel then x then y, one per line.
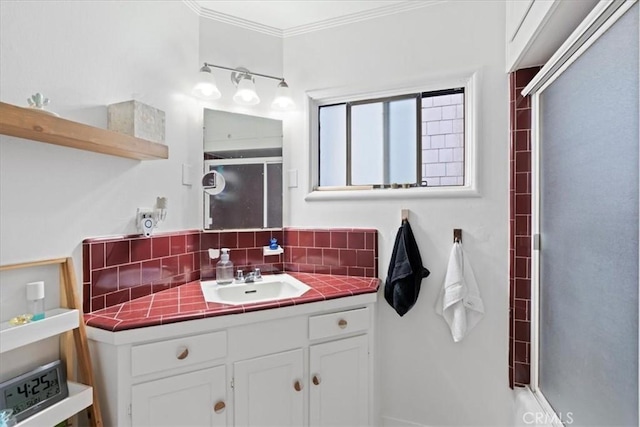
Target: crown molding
pixel 315 26
pixel 228 19
pixel 360 16
pixel 191 4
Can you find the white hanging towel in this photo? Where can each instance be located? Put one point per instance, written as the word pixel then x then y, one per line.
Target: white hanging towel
pixel 459 301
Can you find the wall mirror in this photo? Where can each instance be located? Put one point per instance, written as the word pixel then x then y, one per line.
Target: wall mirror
pixel 242 180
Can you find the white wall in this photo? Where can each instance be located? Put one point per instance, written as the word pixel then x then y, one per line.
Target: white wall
pixel 84 56
pixel 424 377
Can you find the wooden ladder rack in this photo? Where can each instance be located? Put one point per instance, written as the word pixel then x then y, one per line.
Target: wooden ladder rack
pixel 69 299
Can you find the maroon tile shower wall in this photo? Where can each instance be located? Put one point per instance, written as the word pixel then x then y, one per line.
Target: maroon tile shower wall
pixel 119 269
pixel 520 230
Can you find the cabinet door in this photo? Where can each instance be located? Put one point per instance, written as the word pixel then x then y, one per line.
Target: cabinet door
pixel 192 399
pixel 339 389
pixel 268 391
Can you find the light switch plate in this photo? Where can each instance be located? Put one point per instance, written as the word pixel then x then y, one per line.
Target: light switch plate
pixel 293 178
pixel 187 174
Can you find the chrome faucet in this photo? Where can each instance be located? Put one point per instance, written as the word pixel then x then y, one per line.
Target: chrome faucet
pixel 251 277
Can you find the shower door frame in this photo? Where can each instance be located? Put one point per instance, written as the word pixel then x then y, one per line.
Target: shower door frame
pixel 604 15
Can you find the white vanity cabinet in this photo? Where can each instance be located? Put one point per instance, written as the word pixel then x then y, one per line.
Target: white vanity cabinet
pixel 269 390
pixel 192 399
pixel 339 389
pixel 304 365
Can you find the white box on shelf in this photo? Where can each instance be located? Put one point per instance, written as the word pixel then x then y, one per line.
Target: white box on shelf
pixel 136 119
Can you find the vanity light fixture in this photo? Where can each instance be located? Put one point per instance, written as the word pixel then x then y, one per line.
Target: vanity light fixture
pixel 206 87
pixel 244 80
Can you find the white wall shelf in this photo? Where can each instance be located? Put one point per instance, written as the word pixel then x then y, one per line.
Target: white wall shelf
pixel 80 397
pixel 56 321
pixel 266 250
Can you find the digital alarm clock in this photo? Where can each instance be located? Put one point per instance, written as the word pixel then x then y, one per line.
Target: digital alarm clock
pixel 33 391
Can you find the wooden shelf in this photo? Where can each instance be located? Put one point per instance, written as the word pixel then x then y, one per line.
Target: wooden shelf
pixel 55 322
pixel 80 397
pixel 28 123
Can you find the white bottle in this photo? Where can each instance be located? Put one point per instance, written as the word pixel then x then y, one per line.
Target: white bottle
pixel 224 268
pixel 35 299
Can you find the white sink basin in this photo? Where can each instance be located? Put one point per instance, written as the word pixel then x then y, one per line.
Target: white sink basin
pixel 272 287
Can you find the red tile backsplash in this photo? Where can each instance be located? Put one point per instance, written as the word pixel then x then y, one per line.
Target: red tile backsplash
pixel 97 256
pixel 122 268
pixel 129 276
pixel 136 266
pixel 161 246
pixel 117 253
pixel 306 238
pixel 247 239
pixel 520 229
pixel 338 239
pixel 350 252
pixel 355 240
pixel 178 244
pixel 322 239
pixel 229 240
pixel 140 250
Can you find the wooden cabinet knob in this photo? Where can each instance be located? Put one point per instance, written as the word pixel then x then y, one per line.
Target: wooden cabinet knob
pixel 219 407
pixel 342 323
pixel 297 385
pixel 184 354
pixel 316 379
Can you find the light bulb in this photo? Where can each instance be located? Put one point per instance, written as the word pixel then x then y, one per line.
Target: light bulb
pixel 206 87
pixel 246 93
pixel 282 100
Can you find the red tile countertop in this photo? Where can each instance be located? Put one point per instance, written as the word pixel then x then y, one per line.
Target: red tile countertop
pixel 186 302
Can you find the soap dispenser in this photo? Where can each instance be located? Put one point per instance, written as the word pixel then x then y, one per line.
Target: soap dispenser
pixel 224 268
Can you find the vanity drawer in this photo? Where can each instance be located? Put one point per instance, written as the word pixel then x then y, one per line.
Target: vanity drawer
pixel 176 353
pixel 336 324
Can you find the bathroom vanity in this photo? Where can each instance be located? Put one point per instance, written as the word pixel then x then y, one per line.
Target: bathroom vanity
pixel 305 361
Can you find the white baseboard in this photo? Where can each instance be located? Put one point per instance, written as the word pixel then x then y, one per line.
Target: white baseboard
pixel 395 422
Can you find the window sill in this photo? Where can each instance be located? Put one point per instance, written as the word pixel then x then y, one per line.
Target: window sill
pixel 394 194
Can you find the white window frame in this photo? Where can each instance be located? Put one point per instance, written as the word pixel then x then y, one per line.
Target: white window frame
pixel 316 99
pixel 587 33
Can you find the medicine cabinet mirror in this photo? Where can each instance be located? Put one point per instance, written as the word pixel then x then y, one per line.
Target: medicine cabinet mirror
pixel 242 179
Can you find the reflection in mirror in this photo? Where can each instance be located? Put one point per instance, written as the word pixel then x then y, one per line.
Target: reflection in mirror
pixel 213 183
pixel 242 182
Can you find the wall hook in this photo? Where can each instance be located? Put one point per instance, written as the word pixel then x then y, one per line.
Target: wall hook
pixel 404 215
pixel 457 235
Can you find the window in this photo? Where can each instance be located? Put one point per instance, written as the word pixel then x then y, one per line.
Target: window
pixel 409 140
